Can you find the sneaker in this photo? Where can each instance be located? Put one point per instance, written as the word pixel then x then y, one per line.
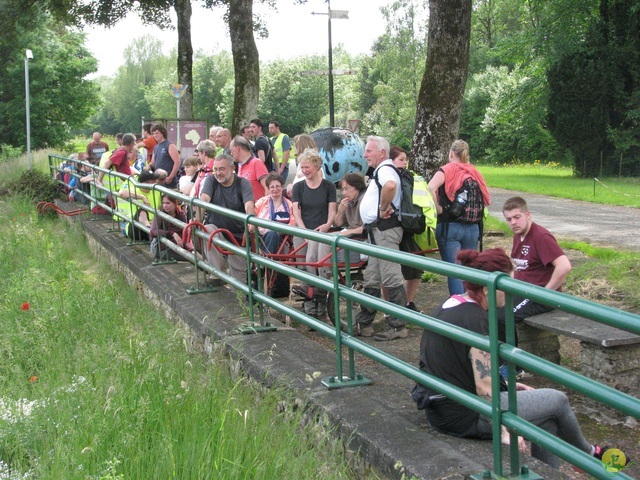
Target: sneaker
pixel 520 373
pixel 391 334
pixel 363 330
pixel 412 306
pixel 615 461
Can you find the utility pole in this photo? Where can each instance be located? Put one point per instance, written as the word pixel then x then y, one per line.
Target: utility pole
pixel 341 15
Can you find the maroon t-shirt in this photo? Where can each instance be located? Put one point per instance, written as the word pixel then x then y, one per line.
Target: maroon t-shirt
pixel 533 255
pixel 120 160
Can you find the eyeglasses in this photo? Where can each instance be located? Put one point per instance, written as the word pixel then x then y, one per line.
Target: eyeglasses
pixel 276 186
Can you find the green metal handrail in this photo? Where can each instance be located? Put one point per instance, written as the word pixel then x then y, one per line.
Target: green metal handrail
pixel 493 281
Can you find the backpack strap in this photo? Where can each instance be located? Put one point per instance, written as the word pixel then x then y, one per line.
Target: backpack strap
pixel 375 178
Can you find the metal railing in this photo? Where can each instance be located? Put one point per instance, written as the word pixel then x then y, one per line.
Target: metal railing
pixel 257 299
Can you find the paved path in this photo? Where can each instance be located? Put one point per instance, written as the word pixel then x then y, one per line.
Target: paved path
pixel 601 225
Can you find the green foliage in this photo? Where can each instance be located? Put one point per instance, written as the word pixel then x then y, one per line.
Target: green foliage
pixel 595 92
pixel 504 114
pixel 139 89
pixel 7 152
pixel 390 80
pixel 92 375
pixel 296 101
pixel 61 98
pixel 35 186
pixel 213 88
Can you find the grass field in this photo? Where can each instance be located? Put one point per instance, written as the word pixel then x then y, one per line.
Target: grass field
pixel 559 181
pixel 96 384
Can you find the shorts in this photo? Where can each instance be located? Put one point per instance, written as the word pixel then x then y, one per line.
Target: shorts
pixel 408 244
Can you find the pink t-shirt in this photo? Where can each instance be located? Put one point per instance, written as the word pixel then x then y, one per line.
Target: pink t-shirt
pixel 263 210
pixel 254 171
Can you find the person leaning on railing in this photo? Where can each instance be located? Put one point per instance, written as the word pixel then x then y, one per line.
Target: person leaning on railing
pixel 314 208
pixel 470 369
pixel 276 207
pixel 162 228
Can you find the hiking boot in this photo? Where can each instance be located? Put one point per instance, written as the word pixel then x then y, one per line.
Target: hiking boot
pixel 391 334
pixel 363 330
pixel 214 282
pixel 412 306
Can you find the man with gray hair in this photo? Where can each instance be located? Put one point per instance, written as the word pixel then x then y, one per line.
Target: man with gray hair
pixel 206 151
pixel 378 209
pixel 226 190
pixel 223 140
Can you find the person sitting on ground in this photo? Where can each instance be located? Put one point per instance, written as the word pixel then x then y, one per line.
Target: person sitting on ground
pixel 460 233
pixel 226 190
pixel 538 259
pixel 469 368
pixel 191 167
pixel 275 207
pixel 162 228
pixel 314 207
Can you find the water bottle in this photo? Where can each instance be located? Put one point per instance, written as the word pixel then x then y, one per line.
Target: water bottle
pixel 456 209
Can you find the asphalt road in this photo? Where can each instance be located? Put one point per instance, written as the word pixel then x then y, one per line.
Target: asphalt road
pixel 599 225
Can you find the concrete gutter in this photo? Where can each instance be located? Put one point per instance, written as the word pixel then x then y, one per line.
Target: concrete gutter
pixel 379 422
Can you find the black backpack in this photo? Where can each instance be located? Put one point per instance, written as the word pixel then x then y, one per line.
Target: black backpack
pixel 410 215
pixel 467 205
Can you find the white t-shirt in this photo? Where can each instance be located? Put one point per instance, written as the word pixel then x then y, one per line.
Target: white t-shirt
pixel 371 201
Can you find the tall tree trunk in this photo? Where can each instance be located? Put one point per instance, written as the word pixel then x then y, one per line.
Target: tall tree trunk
pixel 185 56
pixel 443 84
pixel 246 63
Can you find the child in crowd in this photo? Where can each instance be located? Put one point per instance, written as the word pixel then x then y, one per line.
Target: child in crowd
pixel 188 180
pixel 162 228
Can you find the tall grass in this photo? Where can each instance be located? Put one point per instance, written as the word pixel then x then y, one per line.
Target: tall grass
pixel 97 384
pixel 559 181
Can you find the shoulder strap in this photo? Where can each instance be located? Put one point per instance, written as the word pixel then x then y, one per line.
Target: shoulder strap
pixel 237 183
pixel 375 178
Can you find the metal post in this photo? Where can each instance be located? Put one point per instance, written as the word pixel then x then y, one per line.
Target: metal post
pixel 29 56
pixel 178 115
pixel 332 122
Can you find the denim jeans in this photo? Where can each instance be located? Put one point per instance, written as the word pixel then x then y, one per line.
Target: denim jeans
pixel 460 236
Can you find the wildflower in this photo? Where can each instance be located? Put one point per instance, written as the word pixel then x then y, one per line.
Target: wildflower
pixel 25 306
pixel 33 379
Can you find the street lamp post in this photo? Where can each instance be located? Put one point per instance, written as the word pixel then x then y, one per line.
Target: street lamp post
pixel 338 14
pixel 28 56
